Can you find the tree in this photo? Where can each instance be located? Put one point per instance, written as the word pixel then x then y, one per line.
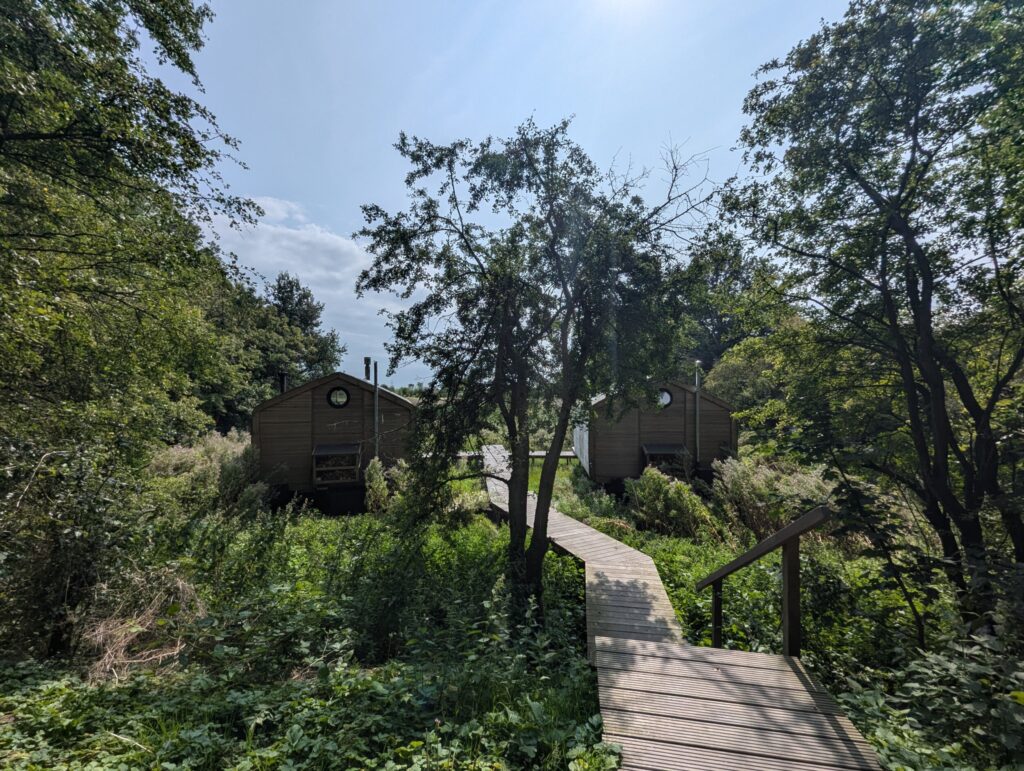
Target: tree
pixel 720 281
pixel 321 351
pixel 538 281
pixel 259 342
pixel 891 190
pixel 295 302
pixel 106 176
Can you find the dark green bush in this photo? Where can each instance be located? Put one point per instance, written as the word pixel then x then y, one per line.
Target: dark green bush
pixel 667 505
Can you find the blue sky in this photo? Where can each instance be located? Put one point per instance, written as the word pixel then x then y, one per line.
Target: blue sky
pixel 317 91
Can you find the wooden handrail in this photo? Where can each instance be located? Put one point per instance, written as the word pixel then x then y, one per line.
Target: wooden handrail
pixel 794 529
pixel 788 538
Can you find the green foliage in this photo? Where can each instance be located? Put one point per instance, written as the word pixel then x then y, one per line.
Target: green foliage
pixel 959 706
pixel 956 706
pixel 724 284
pixel 669 506
pixel 539 281
pixel 315 643
pixel 886 186
pixel 262 339
pixel 376 488
pixel 566 470
pixel 765 495
pixel 121 331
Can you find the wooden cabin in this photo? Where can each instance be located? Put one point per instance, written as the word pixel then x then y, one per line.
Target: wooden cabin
pixel 611 450
pixel 320 435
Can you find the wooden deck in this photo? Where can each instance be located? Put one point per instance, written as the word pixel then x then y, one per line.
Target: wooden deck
pixel 671 705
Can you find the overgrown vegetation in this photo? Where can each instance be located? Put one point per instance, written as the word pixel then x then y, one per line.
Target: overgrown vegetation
pixel 250 639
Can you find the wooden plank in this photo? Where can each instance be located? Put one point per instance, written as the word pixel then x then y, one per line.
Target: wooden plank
pixel 695 653
pixel 598 547
pixel 710 710
pixel 791 597
pixel 624 622
pixel 651 636
pixel 704 670
pixel 757 741
pixel 660 756
pixel 755 695
pixel 669 629
pixel 808 521
pixel 626 589
pixel 602 609
pixel 574 542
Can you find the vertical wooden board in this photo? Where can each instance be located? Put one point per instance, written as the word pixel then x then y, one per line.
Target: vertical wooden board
pixel 716 431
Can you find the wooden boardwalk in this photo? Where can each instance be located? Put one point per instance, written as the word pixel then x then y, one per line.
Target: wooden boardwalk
pixel 671 705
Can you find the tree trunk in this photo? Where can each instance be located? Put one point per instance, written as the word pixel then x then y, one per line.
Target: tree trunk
pixel 545 491
pixel 519 578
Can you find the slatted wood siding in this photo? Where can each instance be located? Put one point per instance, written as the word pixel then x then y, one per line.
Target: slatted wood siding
pixel 287 427
pixel 671 705
pixel 612 444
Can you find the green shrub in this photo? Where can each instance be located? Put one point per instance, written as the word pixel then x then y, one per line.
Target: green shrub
pixel 765 495
pixel 272 676
pixel 670 506
pixel 960 706
pixel 377 494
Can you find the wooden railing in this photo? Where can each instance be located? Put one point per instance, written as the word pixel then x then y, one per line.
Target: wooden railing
pixel 788 538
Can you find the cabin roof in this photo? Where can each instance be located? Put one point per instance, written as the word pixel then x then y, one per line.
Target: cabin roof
pixel 342 378
pixel 703 395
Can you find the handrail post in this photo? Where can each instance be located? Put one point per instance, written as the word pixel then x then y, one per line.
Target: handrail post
pixel 791 597
pixel 716 614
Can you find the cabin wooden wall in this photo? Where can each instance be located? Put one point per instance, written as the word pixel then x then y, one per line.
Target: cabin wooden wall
pixel 667 425
pixel 615 447
pixel 395 424
pixel 716 432
pixel 286 432
pixel 283 438
pixel 332 425
pixel 581 442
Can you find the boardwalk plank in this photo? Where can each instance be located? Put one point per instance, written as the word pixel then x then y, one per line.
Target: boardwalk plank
pixel 704 670
pixel 808 748
pixel 675 706
pixel 662 756
pixel 710 655
pixel 771 718
pixel 756 695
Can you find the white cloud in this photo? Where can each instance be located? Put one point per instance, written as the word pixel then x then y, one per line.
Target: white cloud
pixel 329 264
pixel 280 210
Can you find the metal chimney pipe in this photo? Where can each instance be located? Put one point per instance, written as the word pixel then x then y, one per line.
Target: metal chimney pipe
pixel 376 413
pixel 366 366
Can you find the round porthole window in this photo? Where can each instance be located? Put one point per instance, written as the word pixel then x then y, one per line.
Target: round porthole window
pixel 337 397
pixel 664 397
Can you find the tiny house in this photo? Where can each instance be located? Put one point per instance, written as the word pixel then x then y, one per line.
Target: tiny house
pixel 321 435
pixel 612 449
